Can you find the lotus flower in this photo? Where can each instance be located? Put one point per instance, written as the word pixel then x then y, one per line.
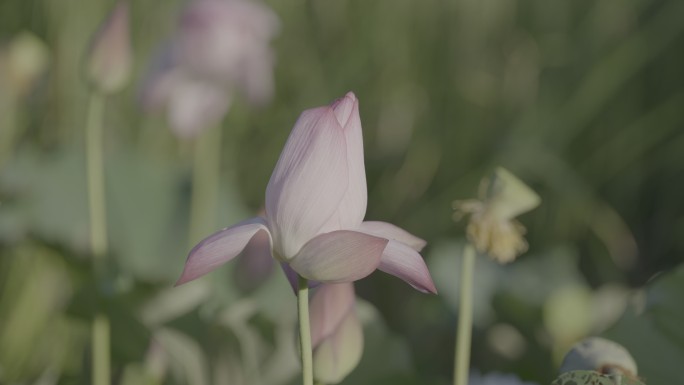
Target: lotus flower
pixel 315 205
pixel 336 332
pixel 221 47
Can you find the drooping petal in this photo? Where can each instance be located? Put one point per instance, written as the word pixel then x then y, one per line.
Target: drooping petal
pixel 329 306
pixel 392 232
pixel 220 248
pixel 308 182
pixel 404 262
pixel 339 354
pixel 339 256
pixel 352 207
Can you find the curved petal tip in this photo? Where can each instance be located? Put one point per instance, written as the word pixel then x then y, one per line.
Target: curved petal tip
pixel 401 261
pixel 219 248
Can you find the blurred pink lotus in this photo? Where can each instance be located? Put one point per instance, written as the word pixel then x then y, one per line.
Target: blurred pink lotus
pixel 221 47
pixel 315 205
pixel 336 332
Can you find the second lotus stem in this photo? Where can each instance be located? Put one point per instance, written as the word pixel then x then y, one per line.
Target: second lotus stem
pixel 98 230
pixel 465 317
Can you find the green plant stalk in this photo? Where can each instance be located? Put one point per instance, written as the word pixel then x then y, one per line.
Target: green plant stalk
pixel 305 331
pixel 465 317
pixel 98 230
pixel 206 174
pixel 101 347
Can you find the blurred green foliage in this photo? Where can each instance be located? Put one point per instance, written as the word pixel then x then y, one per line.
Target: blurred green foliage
pixel 582 100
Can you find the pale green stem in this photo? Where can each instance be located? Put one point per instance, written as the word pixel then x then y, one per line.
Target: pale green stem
pixel 206 174
pixel 465 317
pixel 96 183
pixel 101 347
pixel 98 230
pixel 305 331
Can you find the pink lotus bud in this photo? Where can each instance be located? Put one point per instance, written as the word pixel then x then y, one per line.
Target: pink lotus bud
pixel 336 332
pixel 110 56
pixel 315 205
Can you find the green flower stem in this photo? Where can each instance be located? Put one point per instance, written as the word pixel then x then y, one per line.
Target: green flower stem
pixel 465 317
pixel 305 331
pixel 98 230
pixel 206 174
pixel 101 347
pixel 96 183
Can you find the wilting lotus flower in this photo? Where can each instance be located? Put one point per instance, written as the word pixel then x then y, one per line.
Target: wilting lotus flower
pixel 221 46
pixel 110 56
pixel 315 205
pixel 336 332
pixel 492 227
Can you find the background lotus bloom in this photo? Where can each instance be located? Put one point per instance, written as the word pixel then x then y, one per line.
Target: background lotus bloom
pixel 336 332
pixel 315 204
pixel 228 41
pixel 110 57
pixel 221 46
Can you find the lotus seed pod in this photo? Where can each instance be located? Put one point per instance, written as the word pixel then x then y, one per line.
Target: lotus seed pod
pixel 601 355
pixel 577 377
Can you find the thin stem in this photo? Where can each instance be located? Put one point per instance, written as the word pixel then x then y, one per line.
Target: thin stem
pixel 465 317
pixel 98 230
pixel 206 175
pixel 101 347
pixel 96 183
pixel 305 331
